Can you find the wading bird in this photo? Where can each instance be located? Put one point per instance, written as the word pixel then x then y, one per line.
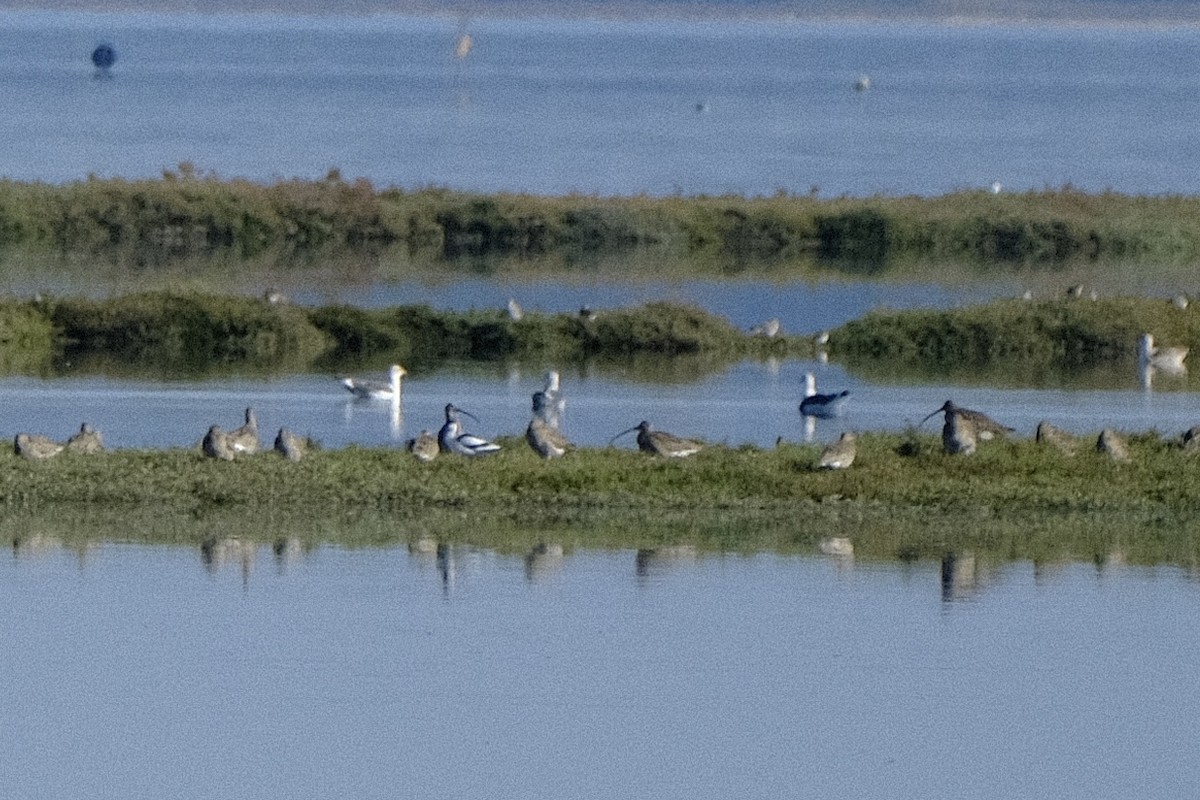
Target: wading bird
pixel 840 454
pixel 289 445
pixel 546 440
pixel 549 403
pixel 88 440
pixel 244 440
pixel 660 443
pixel 453 439
pixel 35 446
pixel 984 427
pixel 424 446
pixel 216 444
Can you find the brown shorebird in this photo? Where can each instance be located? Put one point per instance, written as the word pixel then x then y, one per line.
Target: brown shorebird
pixel 1048 434
pixel 1191 440
pixel 1110 444
pixel 546 440
pixel 35 446
pixel 840 454
pixel 216 444
pixel 88 440
pixel 660 443
pixel 424 446
pixel 985 427
pixel 244 440
pixel 959 434
pixel 289 445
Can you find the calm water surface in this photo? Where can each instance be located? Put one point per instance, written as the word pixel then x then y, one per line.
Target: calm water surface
pixel 138 672
pixel 608 107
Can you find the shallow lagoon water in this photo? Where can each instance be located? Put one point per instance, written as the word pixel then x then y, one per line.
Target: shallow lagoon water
pixel 139 672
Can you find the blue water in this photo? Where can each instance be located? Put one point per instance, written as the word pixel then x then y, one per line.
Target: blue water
pixel 610 107
pixel 136 672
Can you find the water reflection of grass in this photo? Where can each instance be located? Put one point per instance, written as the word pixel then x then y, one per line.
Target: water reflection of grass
pixel 1012 500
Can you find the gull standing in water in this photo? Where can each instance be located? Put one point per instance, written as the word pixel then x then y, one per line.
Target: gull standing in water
pixel 377 390
pixel 453 439
pixel 660 443
pixel 1167 359
pixel 825 406
pixel 549 403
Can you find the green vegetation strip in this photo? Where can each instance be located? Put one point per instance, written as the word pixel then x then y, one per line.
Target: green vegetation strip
pixel 902 499
pixel 187 213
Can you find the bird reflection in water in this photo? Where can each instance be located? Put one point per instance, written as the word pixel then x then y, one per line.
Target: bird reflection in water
pixel 652 561
pixel 543 560
pixel 289 551
pixel 963 576
pixel 215 553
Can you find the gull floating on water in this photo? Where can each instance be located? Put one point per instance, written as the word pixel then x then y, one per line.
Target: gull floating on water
pixel 377 390
pixel 549 403
pixel 825 406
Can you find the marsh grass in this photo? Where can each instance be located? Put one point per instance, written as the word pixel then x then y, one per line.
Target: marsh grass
pixel 1061 333
pixel 188 213
pixel 903 499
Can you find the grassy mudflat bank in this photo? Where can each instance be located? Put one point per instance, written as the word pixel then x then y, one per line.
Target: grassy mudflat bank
pixel 206 332
pixel 187 214
pixel 902 498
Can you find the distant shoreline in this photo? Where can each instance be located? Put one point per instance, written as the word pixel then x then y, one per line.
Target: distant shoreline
pixel 1061 13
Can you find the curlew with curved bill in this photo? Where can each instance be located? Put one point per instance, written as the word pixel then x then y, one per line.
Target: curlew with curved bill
pixel 424 446
pixel 546 440
pixel 35 446
pixel 1166 359
pixel 824 406
pixel 216 444
pixel 984 427
pixel 377 390
pixel 244 440
pixel 289 445
pixel 661 443
pixel 454 439
pixel 840 454
pixel 87 440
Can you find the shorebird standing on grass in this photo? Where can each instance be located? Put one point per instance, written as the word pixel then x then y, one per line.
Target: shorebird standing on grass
pixel 985 427
pixel 424 446
pixel 244 440
pixel 840 454
pixel 289 445
pixel 35 446
pixel 660 443
pixel 88 440
pixel 546 440
pixel 454 439
pixel 216 444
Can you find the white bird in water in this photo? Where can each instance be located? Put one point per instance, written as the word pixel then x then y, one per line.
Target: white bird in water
pixel 377 390
pixel 1167 359
pixel 549 403
pixel 825 406
pixel 453 439
pixel 514 310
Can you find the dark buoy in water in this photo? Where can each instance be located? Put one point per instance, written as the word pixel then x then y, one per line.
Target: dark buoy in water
pixel 104 56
